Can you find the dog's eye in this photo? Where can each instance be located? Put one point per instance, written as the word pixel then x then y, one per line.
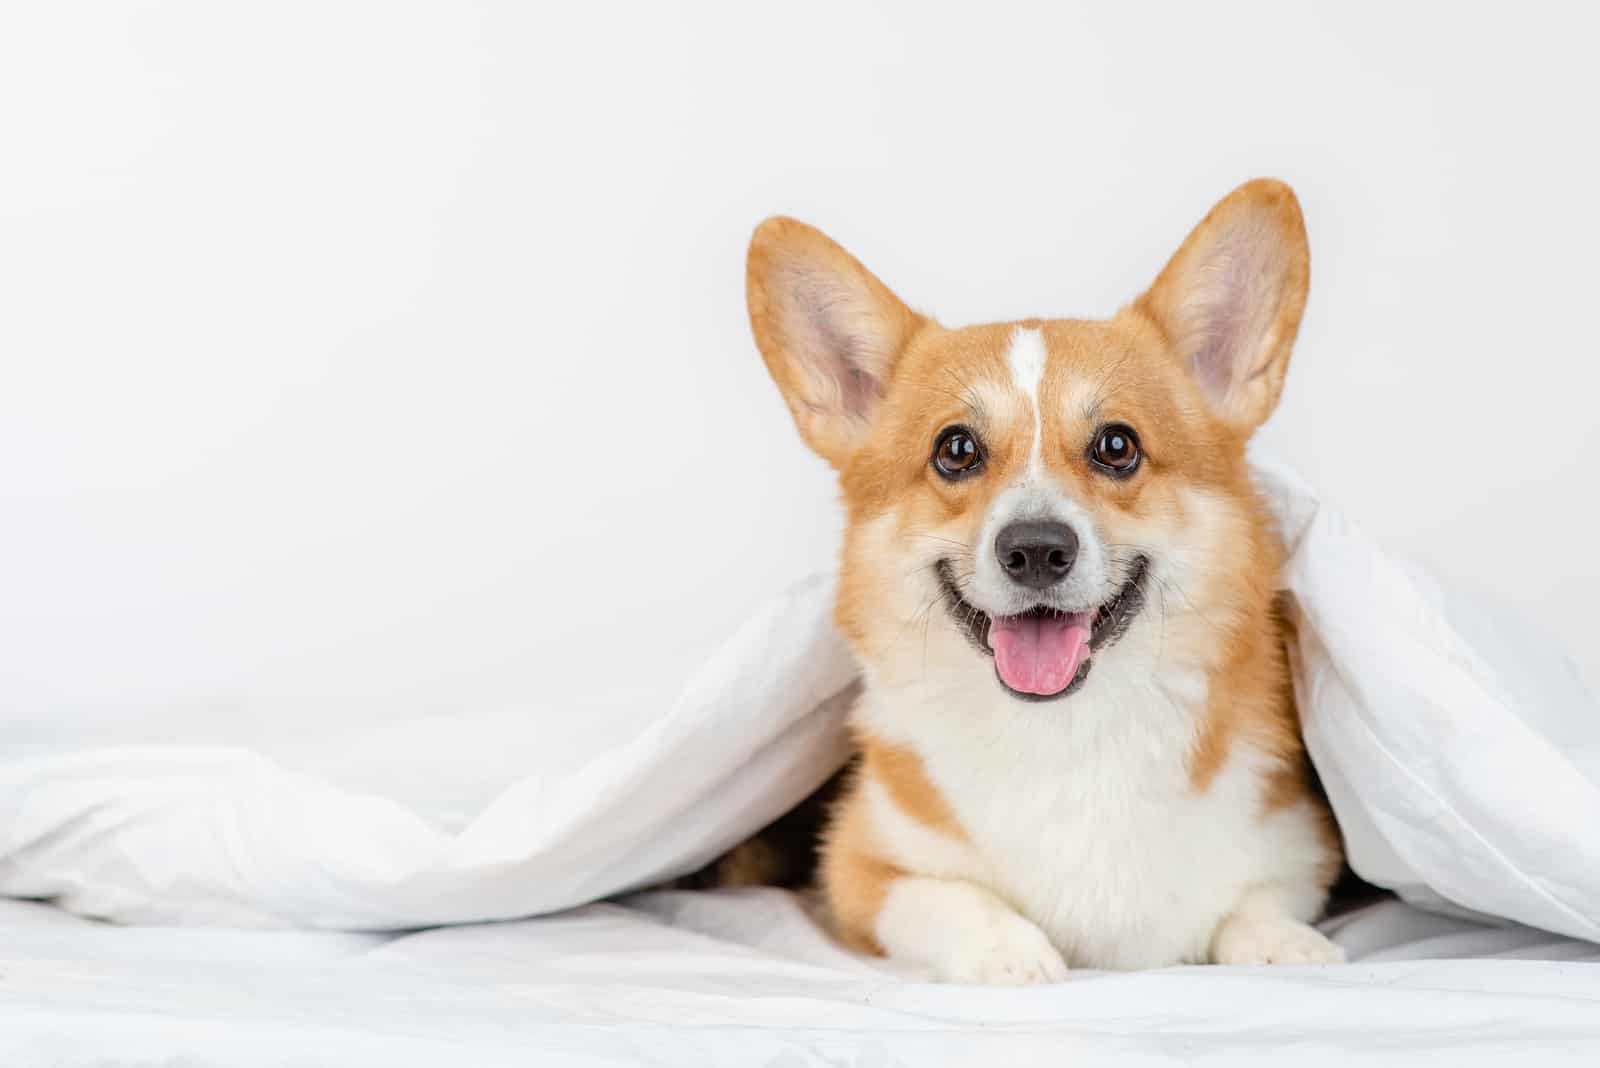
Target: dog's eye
pixel 1116 448
pixel 956 454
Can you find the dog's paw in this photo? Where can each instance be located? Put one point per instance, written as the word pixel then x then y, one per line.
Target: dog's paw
pixel 1273 940
pixel 1011 953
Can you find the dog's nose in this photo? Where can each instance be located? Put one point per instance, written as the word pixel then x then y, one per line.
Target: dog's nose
pixel 1038 552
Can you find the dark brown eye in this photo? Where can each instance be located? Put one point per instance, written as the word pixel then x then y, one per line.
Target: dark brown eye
pixel 956 454
pixel 1116 448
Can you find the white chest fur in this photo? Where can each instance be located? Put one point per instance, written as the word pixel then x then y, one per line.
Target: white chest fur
pixel 1082 816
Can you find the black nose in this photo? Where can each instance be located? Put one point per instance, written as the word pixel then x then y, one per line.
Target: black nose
pixel 1037 553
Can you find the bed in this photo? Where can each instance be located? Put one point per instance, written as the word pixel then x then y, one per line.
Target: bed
pixel 450 890
pixel 745 978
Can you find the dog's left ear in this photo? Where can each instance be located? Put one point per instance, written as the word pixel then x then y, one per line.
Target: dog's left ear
pixel 1229 302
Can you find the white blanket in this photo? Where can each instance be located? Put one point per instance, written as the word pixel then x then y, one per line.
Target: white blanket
pixel 211 834
pixel 1462 757
pixel 685 980
pixel 1459 752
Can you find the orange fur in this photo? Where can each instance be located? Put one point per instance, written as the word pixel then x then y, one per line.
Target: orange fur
pixel 900 771
pixel 855 878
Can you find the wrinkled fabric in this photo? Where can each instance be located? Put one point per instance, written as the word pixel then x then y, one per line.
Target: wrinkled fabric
pixel 1459 750
pixel 689 980
pixel 1458 746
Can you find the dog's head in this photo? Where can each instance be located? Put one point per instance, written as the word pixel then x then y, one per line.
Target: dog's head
pixel 1038 491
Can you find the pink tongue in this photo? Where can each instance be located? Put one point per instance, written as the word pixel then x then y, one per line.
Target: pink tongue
pixel 1037 655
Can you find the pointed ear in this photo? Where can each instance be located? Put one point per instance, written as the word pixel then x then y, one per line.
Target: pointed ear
pixel 829 331
pixel 1230 300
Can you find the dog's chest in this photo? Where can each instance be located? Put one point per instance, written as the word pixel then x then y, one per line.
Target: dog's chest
pixel 1091 828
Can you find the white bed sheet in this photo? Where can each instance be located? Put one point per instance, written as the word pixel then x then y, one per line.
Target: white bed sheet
pixel 745 978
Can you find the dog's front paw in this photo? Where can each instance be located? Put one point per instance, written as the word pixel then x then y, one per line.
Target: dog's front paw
pixel 1273 940
pixel 1012 952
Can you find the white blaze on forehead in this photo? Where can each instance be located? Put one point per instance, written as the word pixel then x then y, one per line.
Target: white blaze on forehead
pixel 1035 494
pixel 1026 357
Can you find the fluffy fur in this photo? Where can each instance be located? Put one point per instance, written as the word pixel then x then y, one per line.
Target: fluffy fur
pixel 1162 811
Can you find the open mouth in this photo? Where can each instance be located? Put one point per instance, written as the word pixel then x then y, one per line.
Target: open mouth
pixel 1045 653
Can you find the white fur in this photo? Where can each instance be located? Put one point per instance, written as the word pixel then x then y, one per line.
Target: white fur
pixel 1026 357
pixel 1084 818
pixel 1260 930
pixel 984 940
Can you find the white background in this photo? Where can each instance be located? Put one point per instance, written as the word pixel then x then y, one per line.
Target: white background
pixel 390 361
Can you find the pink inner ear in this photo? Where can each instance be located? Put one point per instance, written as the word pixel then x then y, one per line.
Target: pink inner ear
pixel 1230 308
pixel 1221 319
pixel 829 331
pixel 859 391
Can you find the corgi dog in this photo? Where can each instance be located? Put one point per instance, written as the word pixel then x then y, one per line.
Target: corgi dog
pixel 1077 739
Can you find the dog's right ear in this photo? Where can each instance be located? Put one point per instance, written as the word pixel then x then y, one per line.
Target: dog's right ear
pixel 829 331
